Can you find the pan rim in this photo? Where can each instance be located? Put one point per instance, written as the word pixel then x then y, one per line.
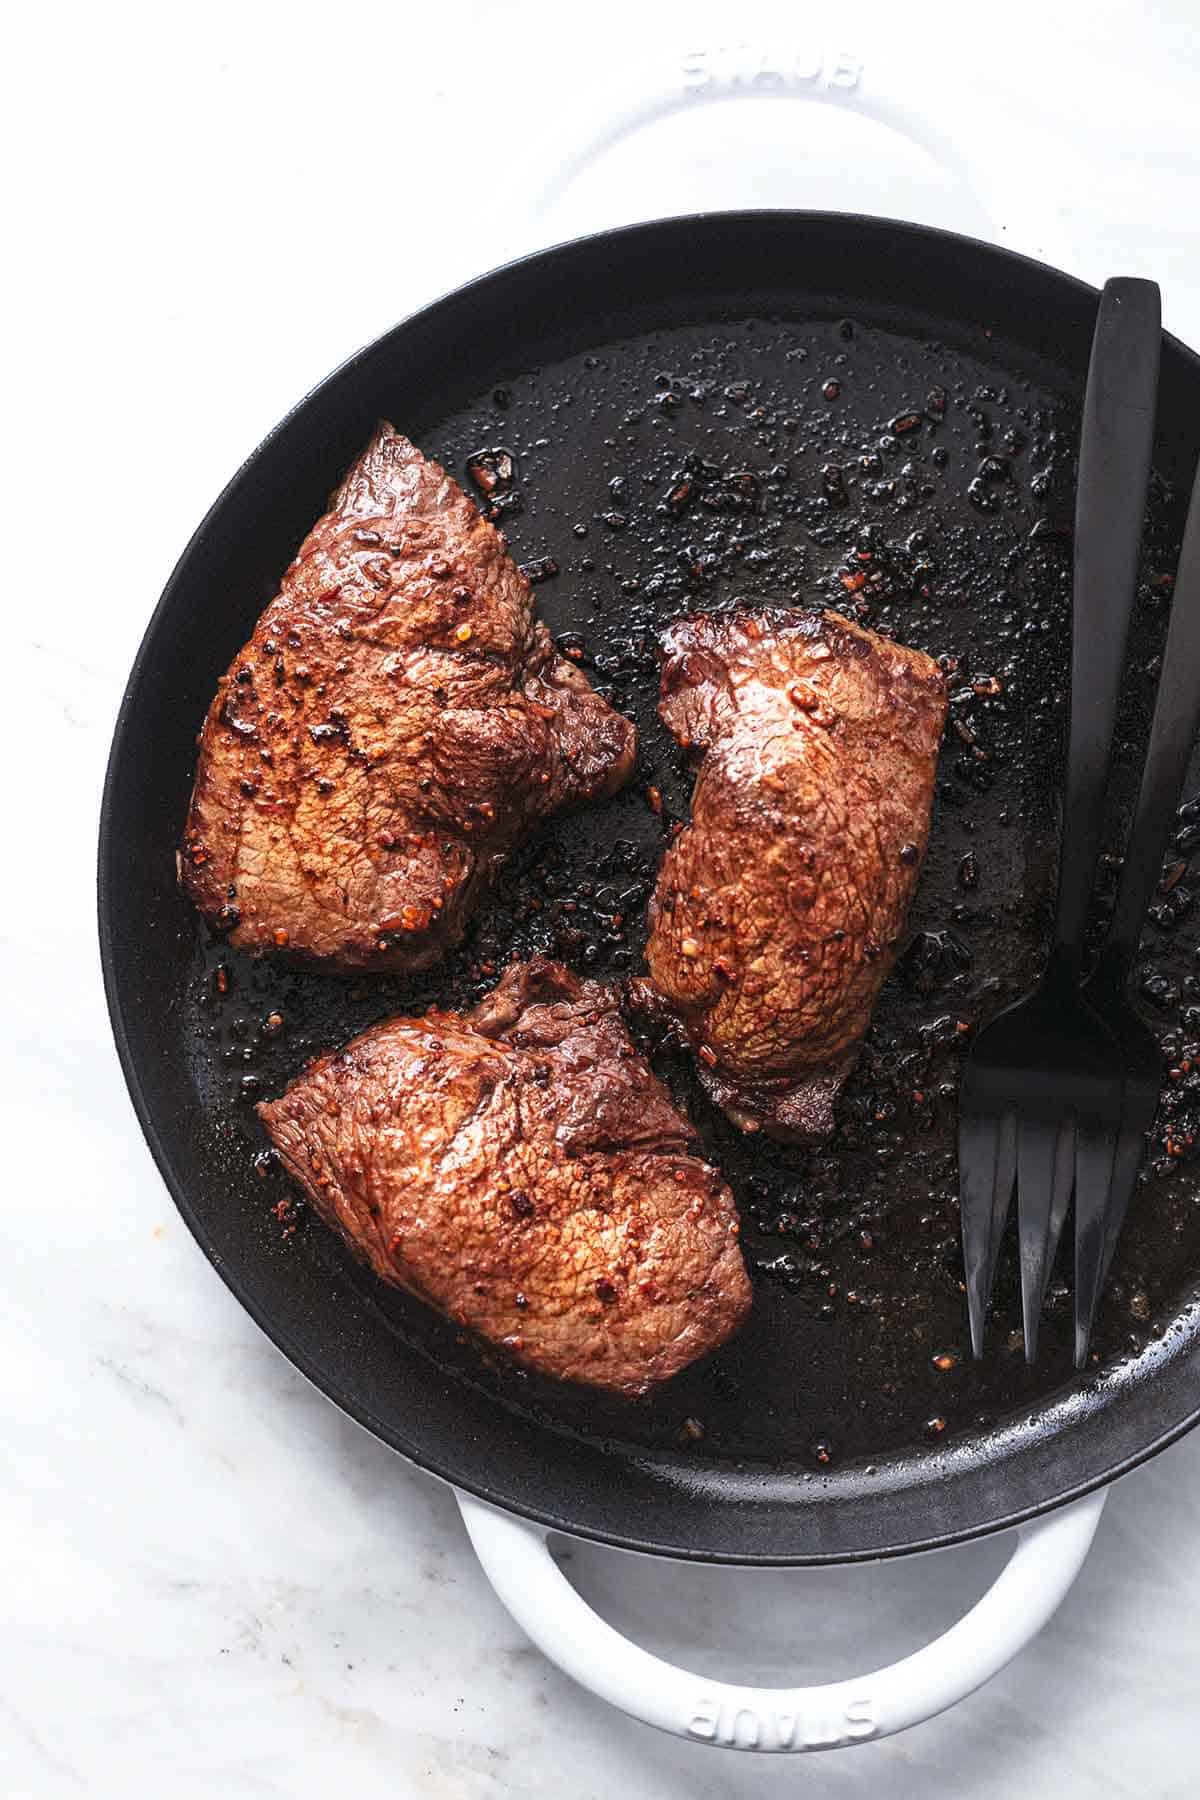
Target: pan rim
pixel 278 1332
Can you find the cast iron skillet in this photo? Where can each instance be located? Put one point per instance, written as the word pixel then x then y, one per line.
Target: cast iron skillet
pixel 868 413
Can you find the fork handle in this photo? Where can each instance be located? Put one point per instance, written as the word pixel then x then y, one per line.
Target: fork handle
pixel 1114 468
pixel 1172 734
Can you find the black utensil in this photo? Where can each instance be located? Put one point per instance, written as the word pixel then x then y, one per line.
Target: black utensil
pixel 1042 1088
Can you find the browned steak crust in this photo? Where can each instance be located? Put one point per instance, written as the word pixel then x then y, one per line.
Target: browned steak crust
pixel 521 1169
pixel 397 723
pixel 779 909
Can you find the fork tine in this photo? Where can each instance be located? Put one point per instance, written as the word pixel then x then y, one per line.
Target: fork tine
pixel 981 1142
pixel 1090 1277
pixel 1064 1181
pixel 1095 1147
pixel 1037 1146
pixel 1002 1191
pixel 1131 1146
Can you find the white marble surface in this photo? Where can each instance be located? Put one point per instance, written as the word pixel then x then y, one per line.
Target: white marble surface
pixel 211 1582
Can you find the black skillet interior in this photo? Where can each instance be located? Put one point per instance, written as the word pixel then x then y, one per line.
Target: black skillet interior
pixel 821 409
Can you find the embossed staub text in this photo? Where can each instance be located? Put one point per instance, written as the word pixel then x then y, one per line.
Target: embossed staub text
pixel 770 1728
pixel 766 68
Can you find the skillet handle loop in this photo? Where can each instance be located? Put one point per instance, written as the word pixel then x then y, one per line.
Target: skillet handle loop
pixel 516 1559
pixel 975 191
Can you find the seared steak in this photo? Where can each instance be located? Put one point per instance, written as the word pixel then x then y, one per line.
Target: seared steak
pixel 779 908
pixel 398 721
pixel 521 1169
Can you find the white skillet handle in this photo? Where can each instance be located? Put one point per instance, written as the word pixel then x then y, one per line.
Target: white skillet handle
pixel 998 196
pixel 516 1559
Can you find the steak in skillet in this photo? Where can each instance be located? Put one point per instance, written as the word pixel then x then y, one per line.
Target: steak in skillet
pixel 779 909
pixel 521 1169
pixel 398 721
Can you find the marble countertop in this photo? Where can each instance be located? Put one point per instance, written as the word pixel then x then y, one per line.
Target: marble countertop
pixel 213 1583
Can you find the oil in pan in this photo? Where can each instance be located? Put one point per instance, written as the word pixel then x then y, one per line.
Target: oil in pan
pixel 921 491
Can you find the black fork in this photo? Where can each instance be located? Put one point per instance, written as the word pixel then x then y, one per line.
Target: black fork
pixel 1043 1086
